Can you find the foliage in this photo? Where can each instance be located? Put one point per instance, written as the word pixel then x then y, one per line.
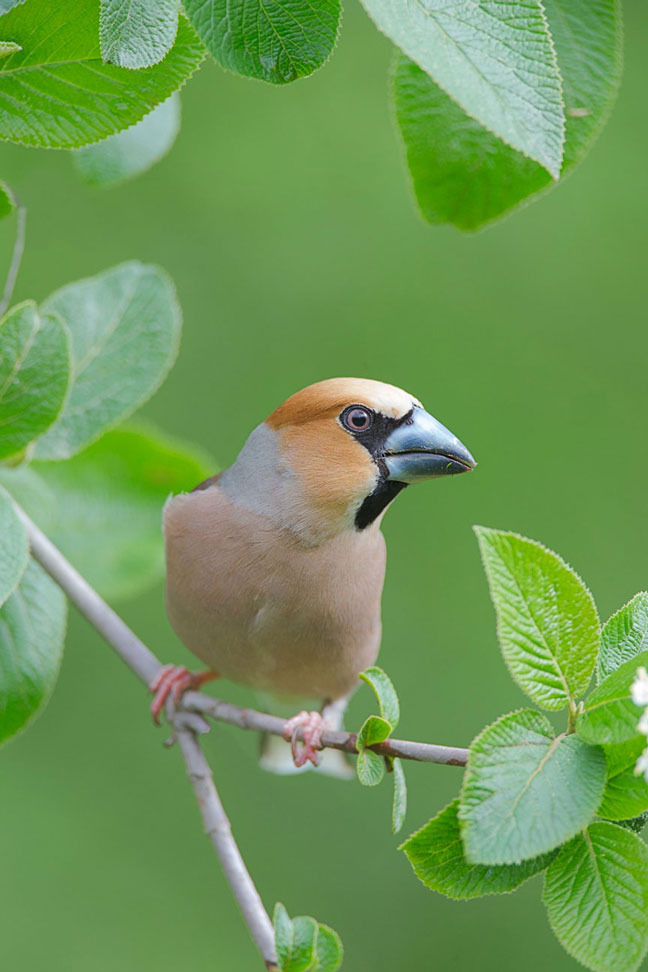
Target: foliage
pixel 304 945
pixel 71 369
pixel 370 765
pixel 532 799
pixel 495 101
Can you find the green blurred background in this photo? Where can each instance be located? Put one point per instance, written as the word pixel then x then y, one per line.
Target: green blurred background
pixel 285 220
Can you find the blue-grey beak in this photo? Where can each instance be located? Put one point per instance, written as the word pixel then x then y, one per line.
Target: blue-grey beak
pixel 424 449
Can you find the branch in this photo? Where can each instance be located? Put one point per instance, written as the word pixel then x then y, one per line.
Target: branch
pixel 146 666
pixel 187 722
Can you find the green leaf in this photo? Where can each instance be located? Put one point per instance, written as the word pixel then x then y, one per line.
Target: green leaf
pixel 370 767
pixel 385 693
pixel 437 855
pixel 103 507
pixel 463 174
pixel 137 33
pixel 619 756
pixel 495 59
pixel 624 635
pixel 7 201
pixel 596 895
pixel 9 47
pixel 294 940
pixel 610 715
pixel 283 933
pixel 57 92
pixel 125 329
pixel 328 950
pixel 526 791
pixel 374 730
pixel 32 628
pixel 14 549
pixel 399 805
pixel 133 151
pixel 34 374
pixel 274 42
pixel 625 797
pixel 547 624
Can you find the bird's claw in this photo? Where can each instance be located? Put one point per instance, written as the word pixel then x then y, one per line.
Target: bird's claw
pixel 174 681
pixel 312 725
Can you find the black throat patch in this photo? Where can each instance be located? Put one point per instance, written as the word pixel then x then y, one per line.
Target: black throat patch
pixel 375 503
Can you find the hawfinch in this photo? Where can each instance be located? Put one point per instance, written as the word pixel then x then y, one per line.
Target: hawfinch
pixel 275 567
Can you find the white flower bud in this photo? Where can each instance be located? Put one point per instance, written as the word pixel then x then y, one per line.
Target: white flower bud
pixel 642 765
pixel 639 688
pixel 642 725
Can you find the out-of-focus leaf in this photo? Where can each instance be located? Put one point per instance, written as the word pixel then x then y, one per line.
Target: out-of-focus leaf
pixel 14 549
pixel 274 42
pixel 437 855
pixel 547 623
pixel 465 175
pixel 596 895
pixel 125 330
pixel 495 59
pixel 34 374
pixel 58 93
pixel 133 151
pixel 624 635
pixel 137 33
pixel 7 202
pixel 328 950
pixel 610 715
pixel 103 508
pixel 399 804
pixel 525 791
pixel 32 628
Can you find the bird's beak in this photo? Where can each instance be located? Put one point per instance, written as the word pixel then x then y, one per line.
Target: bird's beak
pixel 424 449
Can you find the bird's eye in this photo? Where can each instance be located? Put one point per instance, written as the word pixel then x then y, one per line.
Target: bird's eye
pixel 357 419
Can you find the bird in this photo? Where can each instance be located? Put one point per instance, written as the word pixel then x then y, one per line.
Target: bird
pixel 275 566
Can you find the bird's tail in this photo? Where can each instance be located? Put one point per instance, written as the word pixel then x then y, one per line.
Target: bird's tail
pixel 276 756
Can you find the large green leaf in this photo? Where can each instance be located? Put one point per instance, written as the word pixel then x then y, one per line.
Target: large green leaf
pixel 103 508
pixel 525 791
pixel 32 628
pixel 34 374
pixel 610 715
pixel 624 635
pixel 494 58
pixel 132 151
pixel 596 894
pixel 626 794
pixel 272 41
pixel 547 623
pixel 57 92
pixel 437 855
pixel 463 174
pixel 125 330
pixel 14 549
pixel 137 33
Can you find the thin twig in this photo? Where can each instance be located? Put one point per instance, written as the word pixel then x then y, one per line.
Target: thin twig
pixel 16 257
pixel 346 741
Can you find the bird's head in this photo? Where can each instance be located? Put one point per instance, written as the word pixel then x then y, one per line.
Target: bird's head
pixel 335 454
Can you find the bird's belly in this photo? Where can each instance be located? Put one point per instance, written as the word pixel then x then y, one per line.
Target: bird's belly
pixel 291 622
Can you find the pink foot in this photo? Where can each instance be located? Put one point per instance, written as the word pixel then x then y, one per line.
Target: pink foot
pixel 312 725
pixel 174 680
